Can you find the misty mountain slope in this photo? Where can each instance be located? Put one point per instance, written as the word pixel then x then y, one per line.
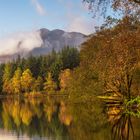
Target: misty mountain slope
pixel 57 39
pixel 39 42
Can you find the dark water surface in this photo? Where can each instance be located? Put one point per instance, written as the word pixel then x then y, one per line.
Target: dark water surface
pixel 54 118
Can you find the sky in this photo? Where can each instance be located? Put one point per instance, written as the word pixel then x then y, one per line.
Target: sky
pixel 20 20
pixel 27 15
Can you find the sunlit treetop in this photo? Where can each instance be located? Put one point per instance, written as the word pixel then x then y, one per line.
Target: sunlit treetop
pixel 126 6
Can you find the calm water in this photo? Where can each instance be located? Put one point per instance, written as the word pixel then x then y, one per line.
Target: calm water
pixel 53 119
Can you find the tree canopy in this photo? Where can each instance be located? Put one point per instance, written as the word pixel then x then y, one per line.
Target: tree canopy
pixel 28 74
pixel 127 6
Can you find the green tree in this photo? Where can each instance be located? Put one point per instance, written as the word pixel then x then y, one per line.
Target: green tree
pixel 33 64
pixel 7 72
pixel 1 75
pixel 55 69
pixel 69 57
pixel 7 87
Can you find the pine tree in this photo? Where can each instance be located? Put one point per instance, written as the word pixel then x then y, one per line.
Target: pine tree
pixel 7 86
pixel 69 57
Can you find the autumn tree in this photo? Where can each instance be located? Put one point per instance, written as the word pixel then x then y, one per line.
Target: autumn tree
pixel 16 81
pixel 49 85
pixel 38 84
pixel 116 57
pixel 27 80
pixel 64 78
pixel 124 5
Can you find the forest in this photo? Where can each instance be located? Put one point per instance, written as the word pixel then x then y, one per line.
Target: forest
pixel 108 64
pixel 37 74
pixel 85 92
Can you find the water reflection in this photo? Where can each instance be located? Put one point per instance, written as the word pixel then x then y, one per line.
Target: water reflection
pixel 57 119
pixel 121 118
pixel 51 118
pixel 32 118
pixel 122 127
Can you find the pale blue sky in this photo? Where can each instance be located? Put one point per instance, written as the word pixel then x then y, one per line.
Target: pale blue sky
pixel 26 15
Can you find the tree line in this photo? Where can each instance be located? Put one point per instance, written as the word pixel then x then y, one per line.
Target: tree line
pixel 37 73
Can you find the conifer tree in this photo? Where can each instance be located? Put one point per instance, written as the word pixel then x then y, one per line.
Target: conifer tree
pixel 7 87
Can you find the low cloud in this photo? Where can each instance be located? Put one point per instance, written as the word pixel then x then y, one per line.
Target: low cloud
pixel 39 8
pixel 20 43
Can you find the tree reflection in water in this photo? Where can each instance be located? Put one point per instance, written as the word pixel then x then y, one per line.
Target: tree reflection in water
pixel 32 117
pixel 52 118
pixel 121 119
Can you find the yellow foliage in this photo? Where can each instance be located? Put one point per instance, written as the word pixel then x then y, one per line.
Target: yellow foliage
pixel 7 87
pixel 64 78
pixel 64 116
pixel 16 81
pixel 26 115
pixel 16 113
pixel 50 85
pixel 50 109
pixel 27 80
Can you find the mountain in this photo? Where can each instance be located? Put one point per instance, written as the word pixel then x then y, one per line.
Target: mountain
pixel 55 39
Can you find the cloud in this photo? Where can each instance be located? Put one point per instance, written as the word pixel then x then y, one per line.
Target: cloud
pixel 77 19
pixel 20 43
pixel 39 8
pixel 80 24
